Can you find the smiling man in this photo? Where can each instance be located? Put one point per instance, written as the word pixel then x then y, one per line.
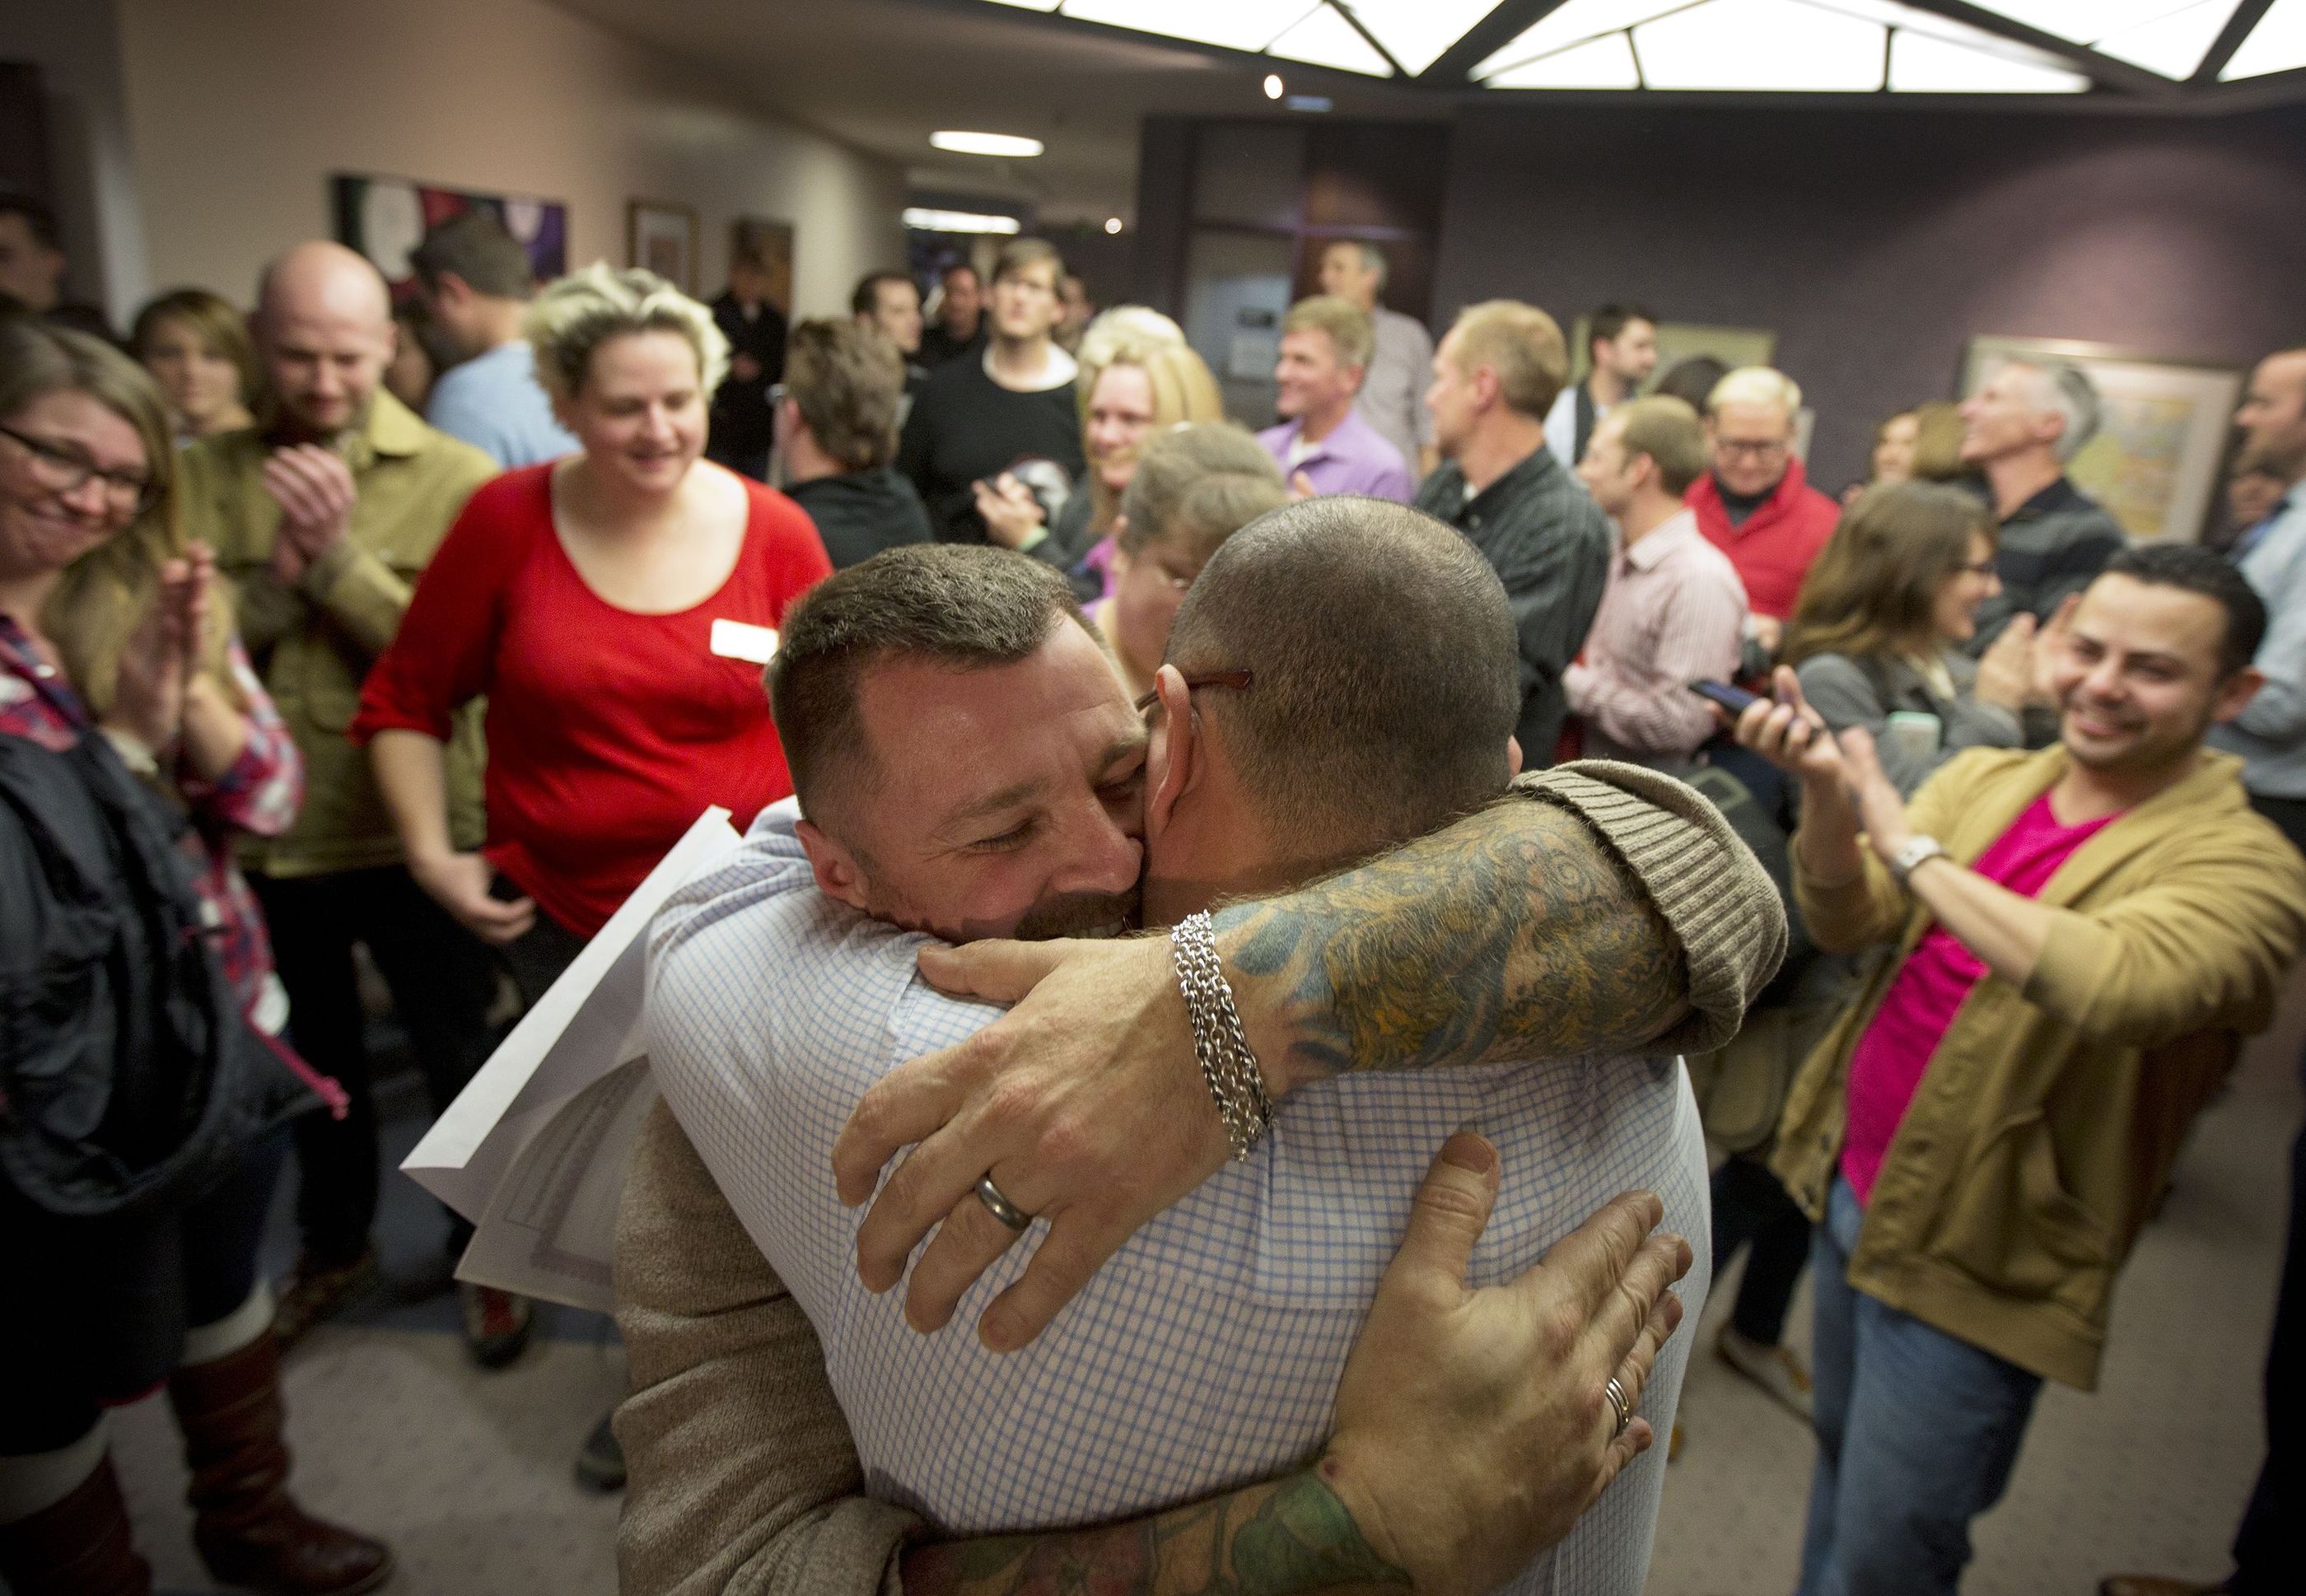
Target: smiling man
pixel 1342 682
pixel 323 514
pixel 1326 346
pixel 2080 934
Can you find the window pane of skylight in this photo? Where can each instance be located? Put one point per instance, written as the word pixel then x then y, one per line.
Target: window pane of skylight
pixel 2277 44
pixel 2085 22
pixel 1762 45
pixel 1574 22
pixel 1920 64
pixel 1236 24
pixel 1414 32
pixel 1603 63
pixel 1324 38
pixel 2175 44
pixel 1029 4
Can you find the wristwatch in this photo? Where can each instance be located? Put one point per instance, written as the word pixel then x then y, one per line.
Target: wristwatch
pixel 1917 850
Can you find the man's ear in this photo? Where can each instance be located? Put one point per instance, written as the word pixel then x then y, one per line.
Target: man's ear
pixel 1181 748
pixel 837 875
pixel 2235 693
pixel 1512 756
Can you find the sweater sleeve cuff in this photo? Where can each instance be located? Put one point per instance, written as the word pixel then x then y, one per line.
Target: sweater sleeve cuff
pixel 1715 897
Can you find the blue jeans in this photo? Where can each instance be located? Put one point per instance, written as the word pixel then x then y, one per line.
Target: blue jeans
pixel 1916 1433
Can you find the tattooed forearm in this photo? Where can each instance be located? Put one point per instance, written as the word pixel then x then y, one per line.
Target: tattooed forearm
pixel 1285 1537
pixel 1514 933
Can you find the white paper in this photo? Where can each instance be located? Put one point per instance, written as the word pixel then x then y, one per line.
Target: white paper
pixel 477 1158
pixel 742 640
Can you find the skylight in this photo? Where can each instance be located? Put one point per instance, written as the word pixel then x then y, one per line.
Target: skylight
pixel 2277 44
pixel 2168 37
pixel 1846 46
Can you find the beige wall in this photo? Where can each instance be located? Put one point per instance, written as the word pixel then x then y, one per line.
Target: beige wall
pixel 239 112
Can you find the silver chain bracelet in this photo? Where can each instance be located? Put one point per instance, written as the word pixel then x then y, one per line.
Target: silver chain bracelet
pixel 1219 1042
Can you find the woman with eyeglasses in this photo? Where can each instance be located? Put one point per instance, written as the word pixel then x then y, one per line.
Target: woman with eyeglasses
pixel 1192 487
pixel 1877 638
pixel 111 626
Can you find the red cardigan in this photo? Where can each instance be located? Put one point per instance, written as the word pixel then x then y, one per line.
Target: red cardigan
pixel 609 732
pixel 1773 551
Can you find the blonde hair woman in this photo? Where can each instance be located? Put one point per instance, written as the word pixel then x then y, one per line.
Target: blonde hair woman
pixel 196 345
pixel 109 624
pixel 616 607
pixel 1135 383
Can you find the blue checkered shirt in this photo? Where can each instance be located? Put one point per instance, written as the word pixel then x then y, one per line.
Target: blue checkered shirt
pixel 1206 1353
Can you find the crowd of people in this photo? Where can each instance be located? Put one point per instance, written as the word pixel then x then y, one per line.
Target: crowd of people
pixel 427 628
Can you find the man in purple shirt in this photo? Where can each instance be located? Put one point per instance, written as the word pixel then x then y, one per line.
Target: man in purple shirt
pixel 1323 445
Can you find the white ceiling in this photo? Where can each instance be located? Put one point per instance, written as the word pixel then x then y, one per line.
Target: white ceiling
pixel 883 74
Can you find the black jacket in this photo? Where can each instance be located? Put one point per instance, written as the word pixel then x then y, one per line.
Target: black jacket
pixel 861 514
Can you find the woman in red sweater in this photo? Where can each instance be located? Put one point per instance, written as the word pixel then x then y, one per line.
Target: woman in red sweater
pixel 616 607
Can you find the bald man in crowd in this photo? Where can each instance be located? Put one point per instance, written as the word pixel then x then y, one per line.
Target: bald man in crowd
pixel 323 513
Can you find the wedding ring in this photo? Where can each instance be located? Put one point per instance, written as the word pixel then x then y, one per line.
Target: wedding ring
pixel 1019 1220
pixel 1616 1393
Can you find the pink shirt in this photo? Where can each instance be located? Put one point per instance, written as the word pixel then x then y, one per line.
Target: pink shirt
pixel 1672 614
pixel 1887 1067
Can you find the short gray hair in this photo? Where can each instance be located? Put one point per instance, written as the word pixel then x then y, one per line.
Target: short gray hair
pixel 1372 258
pixel 2064 389
pixel 1755 385
pixel 573 316
pixel 1384 674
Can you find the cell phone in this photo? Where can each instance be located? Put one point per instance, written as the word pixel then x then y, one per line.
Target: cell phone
pixel 1736 700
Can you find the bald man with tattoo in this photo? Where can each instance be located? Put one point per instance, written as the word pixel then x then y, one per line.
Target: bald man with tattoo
pixel 967 765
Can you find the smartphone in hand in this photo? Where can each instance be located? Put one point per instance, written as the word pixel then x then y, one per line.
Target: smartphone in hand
pixel 1736 700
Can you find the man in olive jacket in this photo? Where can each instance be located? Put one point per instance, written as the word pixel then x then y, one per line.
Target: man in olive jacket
pixel 2082 933
pixel 323 514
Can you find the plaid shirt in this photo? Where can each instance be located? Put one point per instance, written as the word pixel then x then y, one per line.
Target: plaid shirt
pixel 1206 1353
pixel 257 796
pixel 1549 543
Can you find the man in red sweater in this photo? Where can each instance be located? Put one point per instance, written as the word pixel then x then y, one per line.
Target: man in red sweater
pixel 1757 505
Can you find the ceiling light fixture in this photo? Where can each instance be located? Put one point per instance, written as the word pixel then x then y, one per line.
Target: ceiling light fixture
pixel 922 219
pixel 1273 85
pixel 1113 223
pixel 968 144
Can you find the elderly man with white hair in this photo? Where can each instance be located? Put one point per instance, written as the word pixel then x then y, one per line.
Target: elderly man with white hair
pixel 2019 432
pixel 1756 503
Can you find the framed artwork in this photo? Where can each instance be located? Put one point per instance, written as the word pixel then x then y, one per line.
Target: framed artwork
pixel 386 218
pixel 662 238
pixel 2154 462
pixel 771 243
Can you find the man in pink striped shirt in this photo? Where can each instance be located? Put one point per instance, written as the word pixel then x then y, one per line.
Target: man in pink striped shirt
pixel 1674 609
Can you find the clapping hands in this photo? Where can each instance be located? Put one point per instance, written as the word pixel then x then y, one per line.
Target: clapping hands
pixel 315 492
pixel 164 654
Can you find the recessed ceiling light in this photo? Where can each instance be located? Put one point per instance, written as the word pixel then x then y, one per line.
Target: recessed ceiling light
pixel 922 219
pixel 1273 85
pixel 1113 223
pixel 967 143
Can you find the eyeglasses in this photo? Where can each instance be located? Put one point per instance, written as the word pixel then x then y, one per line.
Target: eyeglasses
pixel 1761 448
pixel 1236 680
pixel 63 470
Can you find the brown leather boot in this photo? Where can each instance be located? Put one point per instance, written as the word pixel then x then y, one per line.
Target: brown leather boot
pixel 77 1546
pixel 249 1531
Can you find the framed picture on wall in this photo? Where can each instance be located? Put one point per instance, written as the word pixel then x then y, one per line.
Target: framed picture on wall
pixel 2154 462
pixel 662 239
pixel 770 242
pixel 386 218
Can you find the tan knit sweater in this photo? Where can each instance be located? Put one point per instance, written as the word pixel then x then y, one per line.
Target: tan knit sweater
pixel 743 1478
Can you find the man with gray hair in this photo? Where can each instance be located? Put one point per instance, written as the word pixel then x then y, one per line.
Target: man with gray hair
pixel 1356 272
pixel 473 279
pixel 2020 430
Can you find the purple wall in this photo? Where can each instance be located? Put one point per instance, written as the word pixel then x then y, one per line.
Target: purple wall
pixel 1877 243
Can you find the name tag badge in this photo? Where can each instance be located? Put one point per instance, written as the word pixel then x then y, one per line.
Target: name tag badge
pixel 741 640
